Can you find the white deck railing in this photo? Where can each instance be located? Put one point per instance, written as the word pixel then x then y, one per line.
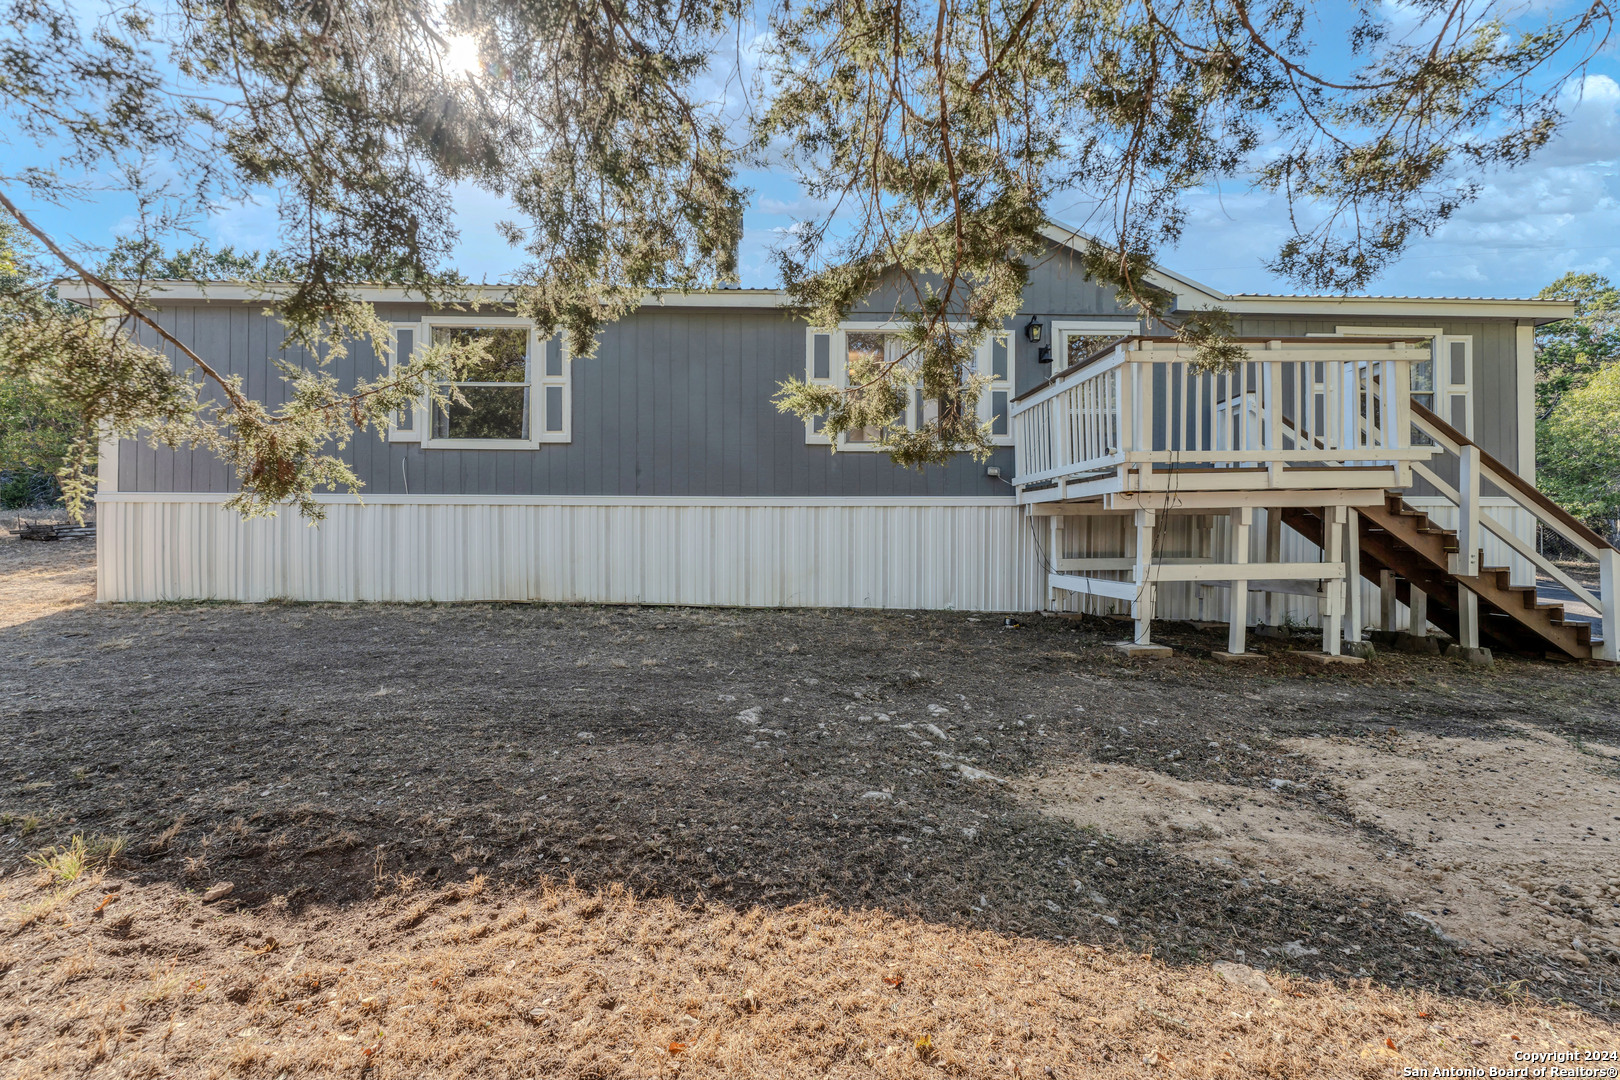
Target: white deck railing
pixel 1294 402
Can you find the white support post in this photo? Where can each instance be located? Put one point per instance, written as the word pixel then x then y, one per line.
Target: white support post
pixel 1467 618
pixel 1054 552
pixel 1389 604
pixel 1333 588
pixel 1274 602
pixel 1238 619
pixel 1204 534
pixel 1142 609
pixel 1124 408
pixel 1609 593
pixel 1352 575
pixel 1466 562
pixel 1419 607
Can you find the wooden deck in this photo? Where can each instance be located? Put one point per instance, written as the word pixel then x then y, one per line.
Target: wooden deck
pixel 1320 433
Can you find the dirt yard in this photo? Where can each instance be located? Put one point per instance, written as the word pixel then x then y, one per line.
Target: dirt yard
pixel 521 840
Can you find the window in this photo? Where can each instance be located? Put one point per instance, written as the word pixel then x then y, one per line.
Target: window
pixel 495 388
pixel 862 348
pixel 1423 383
pixel 1444 383
pixel 999 397
pixel 517 396
pixel 1078 345
pixel 829 356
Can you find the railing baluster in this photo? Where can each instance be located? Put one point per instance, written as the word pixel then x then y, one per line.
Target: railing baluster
pixel 1271 437
pixel 1082 420
pixel 1251 373
pixel 1087 432
pixel 1186 408
pixel 1093 419
pixel 1164 415
pixel 1124 382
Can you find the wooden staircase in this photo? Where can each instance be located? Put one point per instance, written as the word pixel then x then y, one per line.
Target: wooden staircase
pixel 1408 544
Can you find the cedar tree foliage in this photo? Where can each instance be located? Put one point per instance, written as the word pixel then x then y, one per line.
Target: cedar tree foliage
pixel 939 136
pixel 1570 352
pixel 1578 402
pixel 940 133
pixel 581 114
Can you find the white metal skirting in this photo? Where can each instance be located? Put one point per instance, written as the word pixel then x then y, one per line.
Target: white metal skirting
pixel 966 557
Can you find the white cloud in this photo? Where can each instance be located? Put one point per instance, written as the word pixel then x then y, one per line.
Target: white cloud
pixel 1591 130
pixel 249 225
pixel 1559 211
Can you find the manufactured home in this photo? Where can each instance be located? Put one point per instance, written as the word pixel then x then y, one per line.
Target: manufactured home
pixel 1370 464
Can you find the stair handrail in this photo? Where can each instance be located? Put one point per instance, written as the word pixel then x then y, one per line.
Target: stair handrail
pixel 1477 464
pixel 1503 477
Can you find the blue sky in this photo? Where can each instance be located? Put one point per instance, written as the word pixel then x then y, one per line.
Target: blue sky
pixel 1560 212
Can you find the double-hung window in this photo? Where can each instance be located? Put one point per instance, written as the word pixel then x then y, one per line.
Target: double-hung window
pixel 833 356
pixel 515 396
pixel 491 400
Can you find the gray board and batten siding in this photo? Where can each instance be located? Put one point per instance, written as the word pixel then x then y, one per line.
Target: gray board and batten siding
pixel 677 402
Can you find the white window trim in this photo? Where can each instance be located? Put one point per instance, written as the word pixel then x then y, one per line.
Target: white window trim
pixel 987 368
pixel 838 376
pixel 1100 327
pixel 535 380
pixel 413 434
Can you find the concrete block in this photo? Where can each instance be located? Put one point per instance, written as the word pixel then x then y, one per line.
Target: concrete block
pixel 1474 657
pixel 1144 652
pixel 1326 659
pixel 1418 646
pixel 1220 656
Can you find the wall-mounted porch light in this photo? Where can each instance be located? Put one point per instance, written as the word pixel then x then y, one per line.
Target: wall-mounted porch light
pixel 1033 330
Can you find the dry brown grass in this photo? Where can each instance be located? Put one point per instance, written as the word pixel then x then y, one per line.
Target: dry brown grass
pixel 43 579
pixel 557 982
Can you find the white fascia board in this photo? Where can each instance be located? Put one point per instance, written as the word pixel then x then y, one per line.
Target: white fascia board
pixel 244 292
pixel 240 292
pixel 1189 294
pixel 743 502
pixel 1399 307
pixel 1192 295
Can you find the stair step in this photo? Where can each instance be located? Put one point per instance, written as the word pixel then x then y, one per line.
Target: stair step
pixel 1411 544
